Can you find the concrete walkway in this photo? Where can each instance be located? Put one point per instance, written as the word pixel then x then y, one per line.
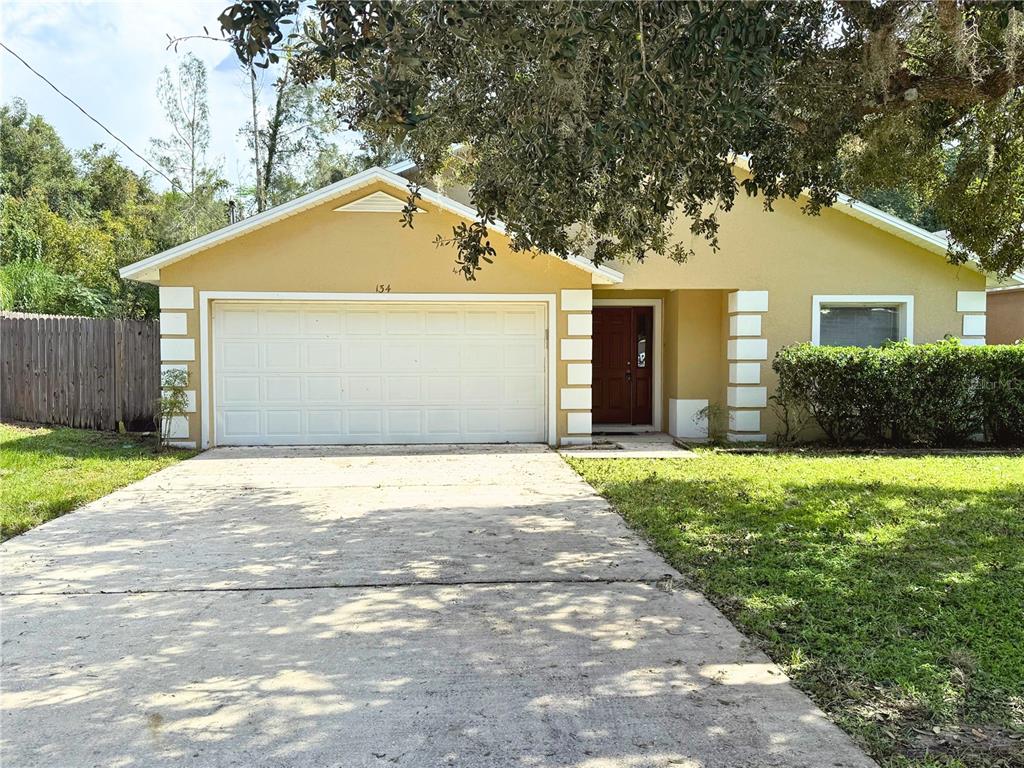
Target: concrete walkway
pixel 419 607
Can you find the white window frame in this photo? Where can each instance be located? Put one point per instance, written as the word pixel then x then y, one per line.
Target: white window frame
pixel 905 303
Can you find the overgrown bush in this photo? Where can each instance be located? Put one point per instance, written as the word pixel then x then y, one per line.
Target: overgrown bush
pixel 938 394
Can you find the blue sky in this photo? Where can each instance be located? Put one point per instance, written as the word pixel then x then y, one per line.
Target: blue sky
pixel 107 56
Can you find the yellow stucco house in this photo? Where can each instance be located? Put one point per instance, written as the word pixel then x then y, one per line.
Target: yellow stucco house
pixel 325 321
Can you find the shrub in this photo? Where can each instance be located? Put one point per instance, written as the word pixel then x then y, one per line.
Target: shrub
pixel 938 394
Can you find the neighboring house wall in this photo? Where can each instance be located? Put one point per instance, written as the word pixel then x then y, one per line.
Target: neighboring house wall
pixel 1005 316
pixel 322 250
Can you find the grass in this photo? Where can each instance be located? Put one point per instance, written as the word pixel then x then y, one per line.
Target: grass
pixel 891 589
pixel 46 472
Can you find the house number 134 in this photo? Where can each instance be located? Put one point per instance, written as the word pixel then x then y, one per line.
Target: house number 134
pixel 383 287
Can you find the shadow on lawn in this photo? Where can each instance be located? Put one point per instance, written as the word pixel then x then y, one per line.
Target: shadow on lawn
pixel 81 443
pixel 898 607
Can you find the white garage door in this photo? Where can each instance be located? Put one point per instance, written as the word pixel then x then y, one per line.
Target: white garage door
pixel 293 374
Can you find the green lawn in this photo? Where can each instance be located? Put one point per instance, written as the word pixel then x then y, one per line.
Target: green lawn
pixel 45 472
pixel 890 589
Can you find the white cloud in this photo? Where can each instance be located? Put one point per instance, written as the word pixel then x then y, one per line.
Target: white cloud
pixel 108 56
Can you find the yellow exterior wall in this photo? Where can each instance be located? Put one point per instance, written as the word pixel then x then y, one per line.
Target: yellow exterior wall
pixel 787 253
pixel 793 256
pixel 325 251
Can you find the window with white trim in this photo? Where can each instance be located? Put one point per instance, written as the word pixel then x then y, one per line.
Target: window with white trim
pixel 862 321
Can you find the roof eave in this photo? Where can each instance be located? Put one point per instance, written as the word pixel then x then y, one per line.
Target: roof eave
pixel 148 270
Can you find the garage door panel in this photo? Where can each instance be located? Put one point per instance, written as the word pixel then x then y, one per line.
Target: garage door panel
pixel 404 323
pixel 239 355
pixel 239 390
pixel 361 355
pixel 346 373
pixel 282 389
pixel 442 322
pixel 280 355
pixel 325 423
pixel 323 389
pixel 364 323
pixel 365 422
pixel 327 323
pixel 480 357
pixel 278 322
pixel 238 423
pixel 324 355
pixel 283 423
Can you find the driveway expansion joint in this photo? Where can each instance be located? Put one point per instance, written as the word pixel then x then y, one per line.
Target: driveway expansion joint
pixel 659 582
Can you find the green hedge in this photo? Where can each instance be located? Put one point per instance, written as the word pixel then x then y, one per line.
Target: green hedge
pixel 940 394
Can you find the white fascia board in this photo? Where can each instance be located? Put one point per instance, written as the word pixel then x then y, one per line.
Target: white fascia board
pixel 402 166
pixel 148 269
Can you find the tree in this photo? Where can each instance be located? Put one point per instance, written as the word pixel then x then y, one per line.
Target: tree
pixel 68 221
pixel 195 208
pixel 590 126
pixel 291 142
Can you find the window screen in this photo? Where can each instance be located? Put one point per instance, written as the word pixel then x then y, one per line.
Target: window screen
pixel 859 326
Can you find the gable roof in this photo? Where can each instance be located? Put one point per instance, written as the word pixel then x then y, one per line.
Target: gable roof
pixel 148 270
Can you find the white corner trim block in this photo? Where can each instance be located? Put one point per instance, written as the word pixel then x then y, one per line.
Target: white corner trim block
pixel 577 349
pixel 744 421
pixel 748 349
pixel 970 301
pixel 177 349
pixel 686 420
pixel 748 397
pixel 974 325
pixel 173 323
pixel 570 441
pixel 579 423
pixel 748 301
pixel 581 324
pixel 178 427
pixel 577 300
pixel 172 367
pixel 747 437
pixel 172 297
pixel 744 373
pixel 576 398
pixel 580 373
pixel 744 325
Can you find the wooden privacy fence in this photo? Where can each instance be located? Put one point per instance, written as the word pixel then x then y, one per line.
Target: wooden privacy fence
pixel 79 371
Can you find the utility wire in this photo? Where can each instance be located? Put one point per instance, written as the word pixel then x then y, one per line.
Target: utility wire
pixel 81 109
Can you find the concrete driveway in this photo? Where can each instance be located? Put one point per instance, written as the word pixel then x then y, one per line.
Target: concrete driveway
pixel 421 607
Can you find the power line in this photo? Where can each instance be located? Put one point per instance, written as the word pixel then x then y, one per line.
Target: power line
pixel 81 109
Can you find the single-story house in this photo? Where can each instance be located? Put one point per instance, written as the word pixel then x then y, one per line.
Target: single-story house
pixel 324 320
pixel 1006 314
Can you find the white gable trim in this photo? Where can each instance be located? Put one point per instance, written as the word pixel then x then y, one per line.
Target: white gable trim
pixel 148 270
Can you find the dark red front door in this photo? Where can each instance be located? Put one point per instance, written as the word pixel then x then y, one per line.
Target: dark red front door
pixel 623 365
